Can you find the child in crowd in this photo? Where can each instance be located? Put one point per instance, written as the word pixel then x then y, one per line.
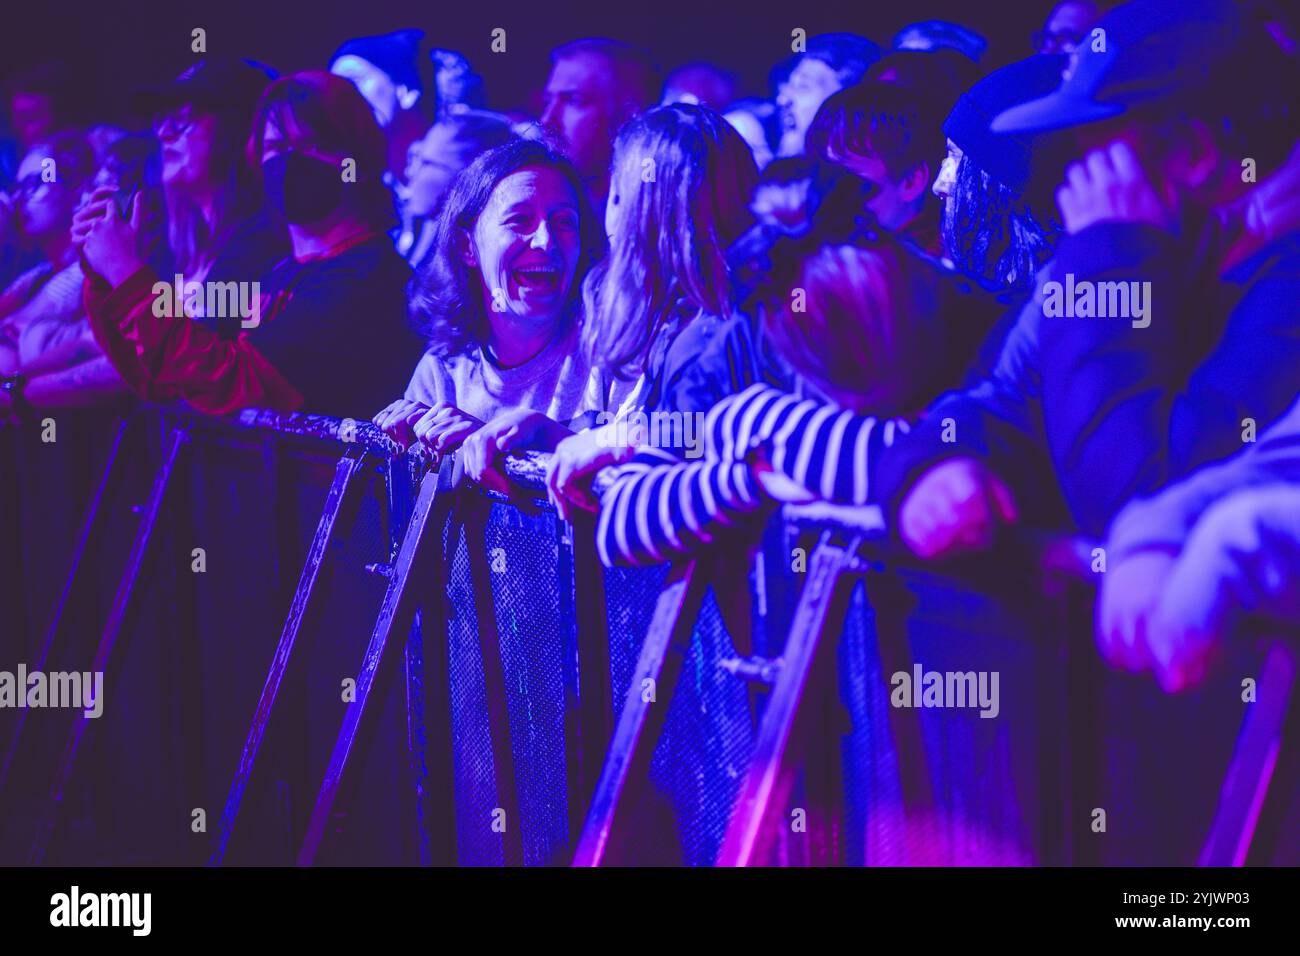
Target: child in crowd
pixel 678 198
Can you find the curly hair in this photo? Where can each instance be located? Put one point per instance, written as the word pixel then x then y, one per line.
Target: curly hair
pixel 446 300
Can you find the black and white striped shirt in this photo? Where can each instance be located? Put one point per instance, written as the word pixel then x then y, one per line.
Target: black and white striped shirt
pixel 661 507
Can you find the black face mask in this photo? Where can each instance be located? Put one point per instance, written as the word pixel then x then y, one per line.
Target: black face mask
pixel 302 188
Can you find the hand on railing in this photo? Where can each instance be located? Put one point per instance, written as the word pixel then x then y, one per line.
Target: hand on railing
pixel 779 487
pixel 577 459
pixel 956 505
pixel 397 421
pixel 441 428
pixel 1130 592
pixel 514 430
pixel 533 470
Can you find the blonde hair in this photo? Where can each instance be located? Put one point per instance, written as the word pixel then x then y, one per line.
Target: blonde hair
pixel 685 178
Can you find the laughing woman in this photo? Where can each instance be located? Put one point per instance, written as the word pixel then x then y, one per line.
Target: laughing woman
pixel 500 302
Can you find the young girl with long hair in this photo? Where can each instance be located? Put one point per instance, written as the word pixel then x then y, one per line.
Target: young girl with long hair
pixel 679 196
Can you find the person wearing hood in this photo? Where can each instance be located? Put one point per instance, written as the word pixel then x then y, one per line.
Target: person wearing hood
pixel 389 71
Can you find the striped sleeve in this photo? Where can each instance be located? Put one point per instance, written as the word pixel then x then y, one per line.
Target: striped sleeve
pixel 830 451
pixel 661 507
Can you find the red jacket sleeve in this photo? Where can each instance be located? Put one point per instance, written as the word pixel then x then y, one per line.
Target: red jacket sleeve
pixel 167 357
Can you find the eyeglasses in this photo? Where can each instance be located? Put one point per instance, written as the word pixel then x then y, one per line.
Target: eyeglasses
pixel 28 186
pixel 1056 41
pixel 177 123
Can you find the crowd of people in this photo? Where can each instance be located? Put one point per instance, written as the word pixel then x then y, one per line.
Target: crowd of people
pixel 1062 292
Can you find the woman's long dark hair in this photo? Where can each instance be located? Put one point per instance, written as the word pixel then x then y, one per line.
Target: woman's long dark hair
pixel 446 298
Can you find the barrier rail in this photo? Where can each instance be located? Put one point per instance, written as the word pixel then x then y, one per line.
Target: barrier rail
pixel 548 711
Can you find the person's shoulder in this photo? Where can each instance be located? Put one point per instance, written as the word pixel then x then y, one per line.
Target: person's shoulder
pixel 1279 260
pixel 435 358
pixel 428 379
pixel 367 269
pixel 704 339
pixel 694 335
pixel 689 340
pixel 256 246
pixel 455 377
pixel 720 336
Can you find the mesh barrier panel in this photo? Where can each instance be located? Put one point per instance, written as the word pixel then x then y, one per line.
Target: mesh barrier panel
pixel 984 772
pixel 985 805
pixel 519 556
pixel 629 603
pixel 195 647
pixel 872 789
pixel 705 749
pixel 707 741
pixel 374 822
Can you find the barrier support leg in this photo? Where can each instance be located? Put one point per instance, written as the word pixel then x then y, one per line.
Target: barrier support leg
pixel 341 502
pixel 783 734
pixel 395 617
pixel 641 721
pixel 108 640
pixel 79 552
pixel 1262 776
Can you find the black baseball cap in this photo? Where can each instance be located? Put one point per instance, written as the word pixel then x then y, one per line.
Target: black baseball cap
pixel 213 84
pixel 1009 158
pixel 1145 50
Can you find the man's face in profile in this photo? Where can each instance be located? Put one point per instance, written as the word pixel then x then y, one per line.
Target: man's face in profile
pixel 580 111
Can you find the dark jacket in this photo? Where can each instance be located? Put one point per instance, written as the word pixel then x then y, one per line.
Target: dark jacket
pixel 333 338
pixel 1106 411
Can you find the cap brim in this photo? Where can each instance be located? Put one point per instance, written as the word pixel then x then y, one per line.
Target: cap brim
pixel 157 99
pixel 1053 111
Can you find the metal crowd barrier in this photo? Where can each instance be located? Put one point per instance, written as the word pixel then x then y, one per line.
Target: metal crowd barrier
pixel 515 703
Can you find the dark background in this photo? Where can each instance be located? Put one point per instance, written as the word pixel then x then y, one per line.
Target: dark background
pixel 115 47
